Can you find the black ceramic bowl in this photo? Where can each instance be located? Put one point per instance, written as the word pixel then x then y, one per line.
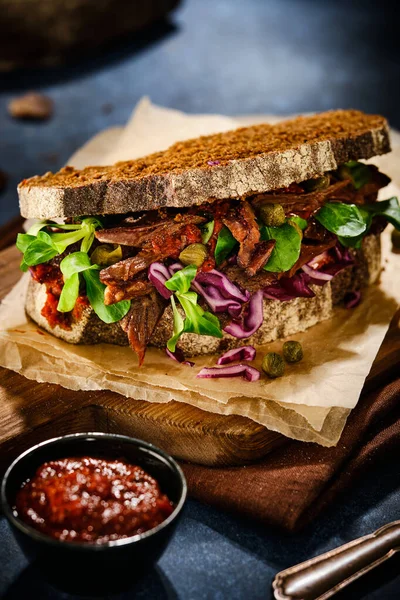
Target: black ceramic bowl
pixel 84 568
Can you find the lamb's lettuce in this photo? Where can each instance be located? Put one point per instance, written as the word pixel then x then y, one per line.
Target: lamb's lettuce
pixel 41 243
pixel 287 247
pixel 351 223
pixel 69 294
pixel 226 243
pixel 95 293
pixel 302 223
pixel 79 262
pixel 206 231
pixel 389 209
pixel 182 279
pixel 196 319
pixel 44 241
pixel 345 220
pixel 39 250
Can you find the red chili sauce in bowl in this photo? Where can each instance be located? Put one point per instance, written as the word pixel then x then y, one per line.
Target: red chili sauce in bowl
pixel 91 500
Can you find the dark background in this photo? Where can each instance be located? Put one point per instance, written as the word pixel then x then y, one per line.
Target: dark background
pixel 225 56
pixel 231 57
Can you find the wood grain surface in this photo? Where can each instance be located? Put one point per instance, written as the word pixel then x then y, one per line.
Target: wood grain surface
pixel 31 412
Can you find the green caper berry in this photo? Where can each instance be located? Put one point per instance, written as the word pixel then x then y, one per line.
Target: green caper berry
pixel 319 183
pixel 273 365
pixel 195 254
pixel 292 352
pixel 396 239
pixel 272 215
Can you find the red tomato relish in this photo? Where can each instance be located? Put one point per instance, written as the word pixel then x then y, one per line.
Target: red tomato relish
pixel 92 500
pixel 52 277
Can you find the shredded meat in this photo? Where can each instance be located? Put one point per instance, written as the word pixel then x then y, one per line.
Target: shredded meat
pixel 216 212
pixel 139 236
pixel 242 224
pixel 365 195
pixel 302 202
pixel 168 243
pixel 124 270
pixel 260 256
pixel 140 286
pixel 316 232
pixel 141 321
pixel 261 280
pixel 308 251
pixel 127 236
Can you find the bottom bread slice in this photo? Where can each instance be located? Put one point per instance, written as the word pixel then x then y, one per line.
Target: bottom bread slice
pixel 88 329
pixel 281 319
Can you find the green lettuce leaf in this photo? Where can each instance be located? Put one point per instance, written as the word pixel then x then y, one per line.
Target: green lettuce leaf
pixel 79 262
pixel 40 250
pixel 179 326
pixel 23 241
pixel 287 247
pixel 196 319
pixel 226 243
pixel 302 223
pixel 182 280
pixel 351 223
pixel 345 220
pixel 40 246
pixel 69 293
pixel 36 227
pixel 389 209
pixel 207 231
pixel 95 293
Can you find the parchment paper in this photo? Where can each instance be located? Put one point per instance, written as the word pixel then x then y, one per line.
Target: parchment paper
pixel 311 402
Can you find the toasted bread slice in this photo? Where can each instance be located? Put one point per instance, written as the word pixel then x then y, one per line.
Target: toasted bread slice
pixel 234 164
pixel 281 319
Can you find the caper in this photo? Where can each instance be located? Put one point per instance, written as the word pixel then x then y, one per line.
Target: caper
pixel 273 365
pixel 195 254
pixel 318 183
pixel 106 255
pixel 272 215
pixel 292 352
pixel 396 239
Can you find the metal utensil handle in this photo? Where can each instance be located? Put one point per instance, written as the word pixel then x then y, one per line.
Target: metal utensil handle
pixel 321 577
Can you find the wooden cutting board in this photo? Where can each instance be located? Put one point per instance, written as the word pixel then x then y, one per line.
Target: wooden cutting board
pixel 31 412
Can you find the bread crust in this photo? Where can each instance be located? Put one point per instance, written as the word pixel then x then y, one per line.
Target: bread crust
pixel 281 319
pixel 234 164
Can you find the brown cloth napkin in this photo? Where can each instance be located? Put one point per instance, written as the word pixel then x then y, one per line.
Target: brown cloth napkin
pixel 294 484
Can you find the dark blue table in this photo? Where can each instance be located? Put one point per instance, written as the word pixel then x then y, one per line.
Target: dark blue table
pixel 216 556
pixel 227 56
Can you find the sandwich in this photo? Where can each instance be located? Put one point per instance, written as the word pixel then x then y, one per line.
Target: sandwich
pixel 219 242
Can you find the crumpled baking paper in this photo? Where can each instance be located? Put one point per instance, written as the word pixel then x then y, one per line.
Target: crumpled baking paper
pixel 311 402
